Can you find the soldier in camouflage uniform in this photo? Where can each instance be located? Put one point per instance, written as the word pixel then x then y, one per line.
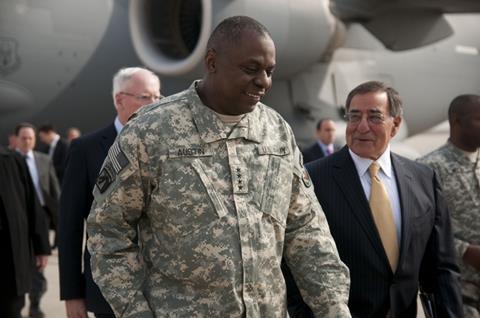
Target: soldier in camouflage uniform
pixel 203 193
pixel 457 165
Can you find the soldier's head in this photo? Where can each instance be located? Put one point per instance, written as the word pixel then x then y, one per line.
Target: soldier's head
pixel 134 87
pixel 25 133
pixel 239 62
pixel 464 119
pixel 374 115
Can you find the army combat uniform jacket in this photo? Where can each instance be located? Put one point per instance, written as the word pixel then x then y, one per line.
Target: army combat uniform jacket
pixel 191 218
pixel 460 179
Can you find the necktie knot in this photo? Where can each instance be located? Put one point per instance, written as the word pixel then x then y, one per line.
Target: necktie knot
pixel 373 169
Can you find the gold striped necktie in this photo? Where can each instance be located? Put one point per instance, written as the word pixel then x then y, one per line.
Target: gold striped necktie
pixel 383 216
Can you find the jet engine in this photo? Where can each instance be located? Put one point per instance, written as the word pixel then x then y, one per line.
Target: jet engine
pixel 170 36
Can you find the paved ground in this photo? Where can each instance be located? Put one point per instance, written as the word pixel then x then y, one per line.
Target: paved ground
pixel 53 308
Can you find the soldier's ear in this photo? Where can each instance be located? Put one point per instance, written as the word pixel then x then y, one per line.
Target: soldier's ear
pixel 211 60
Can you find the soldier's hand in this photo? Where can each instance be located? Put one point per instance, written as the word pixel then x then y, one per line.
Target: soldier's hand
pixel 472 256
pixel 41 261
pixel 76 308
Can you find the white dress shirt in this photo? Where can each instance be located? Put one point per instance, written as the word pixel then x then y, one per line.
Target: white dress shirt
pixel 387 176
pixel 118 125
pixel 324 148
pixel 32 168
pixel 53 144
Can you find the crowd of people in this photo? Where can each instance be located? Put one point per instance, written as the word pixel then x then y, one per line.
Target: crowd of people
pixel 201 204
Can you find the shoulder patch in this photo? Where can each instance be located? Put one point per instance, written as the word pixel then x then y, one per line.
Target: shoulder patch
pixel 116 161
pixel 306 178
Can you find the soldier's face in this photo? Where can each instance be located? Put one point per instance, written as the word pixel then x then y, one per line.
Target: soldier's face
pixel 26 139
pixel 243 73
pixel 470 126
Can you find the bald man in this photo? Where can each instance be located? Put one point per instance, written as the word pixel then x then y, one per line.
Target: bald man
pixel 457 165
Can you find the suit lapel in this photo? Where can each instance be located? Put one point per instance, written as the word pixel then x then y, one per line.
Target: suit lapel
pixel 346 176
pixel 404 183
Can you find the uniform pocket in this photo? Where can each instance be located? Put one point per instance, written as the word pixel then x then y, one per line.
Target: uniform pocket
pixel 212 193
pixel 277 187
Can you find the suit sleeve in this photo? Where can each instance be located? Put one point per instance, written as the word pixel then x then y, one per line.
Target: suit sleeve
pixel 311 253
pixel 74 206
pixel 439 273
pixel 119 200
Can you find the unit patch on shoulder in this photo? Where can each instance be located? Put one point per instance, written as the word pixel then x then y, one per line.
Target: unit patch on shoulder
pixel 116 161
pixel 306 178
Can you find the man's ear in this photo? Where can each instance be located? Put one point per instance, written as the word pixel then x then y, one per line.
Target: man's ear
pixel 211 60
pixel 396 125
pixel 118 100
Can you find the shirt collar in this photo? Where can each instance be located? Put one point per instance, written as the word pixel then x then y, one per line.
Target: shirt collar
pixel 118 125
pixel 28 155
pixel 55 140
pixel 324 146
pixel 362 164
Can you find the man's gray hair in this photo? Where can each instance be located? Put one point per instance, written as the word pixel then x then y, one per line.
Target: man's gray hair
pixel 124 75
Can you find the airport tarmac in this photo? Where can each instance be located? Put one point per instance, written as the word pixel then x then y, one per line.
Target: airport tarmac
pixel 54 308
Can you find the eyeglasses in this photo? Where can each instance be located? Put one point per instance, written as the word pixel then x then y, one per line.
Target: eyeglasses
pixel 375 119
pixel 143 97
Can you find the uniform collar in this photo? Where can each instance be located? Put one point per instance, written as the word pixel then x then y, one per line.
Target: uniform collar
pixel 211 128
pixel 460 155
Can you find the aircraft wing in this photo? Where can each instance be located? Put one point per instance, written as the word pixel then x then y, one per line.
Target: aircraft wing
pixel 402 25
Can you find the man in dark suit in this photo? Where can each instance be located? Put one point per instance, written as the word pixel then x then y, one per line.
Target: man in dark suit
pixel 48 193
pixel 386 214
pixel 323 146
pixel 56 148
pixel 132 88
pixel 23 233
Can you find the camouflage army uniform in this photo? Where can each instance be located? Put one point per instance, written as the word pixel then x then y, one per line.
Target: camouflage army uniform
pixel 460 180
pixel 215 210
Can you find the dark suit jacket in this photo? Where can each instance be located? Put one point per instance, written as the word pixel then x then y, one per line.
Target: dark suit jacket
pixel 23 227
pixel 85 158
pixel 50 186
pixel 59 158
pixel 315 152
pixel 427 256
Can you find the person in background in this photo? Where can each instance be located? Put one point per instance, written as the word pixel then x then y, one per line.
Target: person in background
pixel 73 133
pixel 324 145
pixel 56 148
pixel 23 233
pixel 133 87
pixel 12 141
pixel 47 190
pixel 457 164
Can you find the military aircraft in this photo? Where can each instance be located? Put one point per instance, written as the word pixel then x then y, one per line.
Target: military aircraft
pixel 57 57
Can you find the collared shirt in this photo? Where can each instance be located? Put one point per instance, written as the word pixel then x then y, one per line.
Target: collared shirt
pixel 32 168
pixel 327 149
pixel 118 125
pixel 53 144
pixel 387 176
pixel 189 220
